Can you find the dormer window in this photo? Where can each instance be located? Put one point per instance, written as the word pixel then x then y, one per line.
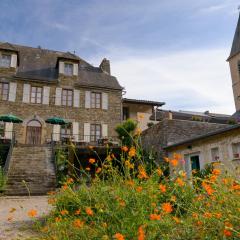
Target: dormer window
pixel 68 69
pixel 5 60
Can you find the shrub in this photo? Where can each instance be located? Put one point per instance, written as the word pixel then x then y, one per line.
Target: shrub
pixel 3 180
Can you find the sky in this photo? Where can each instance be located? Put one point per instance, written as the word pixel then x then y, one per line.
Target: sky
pixel 172 51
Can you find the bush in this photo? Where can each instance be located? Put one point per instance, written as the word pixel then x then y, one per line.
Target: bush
pixel 140 205
pixel 3 180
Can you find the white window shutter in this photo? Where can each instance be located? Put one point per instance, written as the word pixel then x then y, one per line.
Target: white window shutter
pixel 104 101
pixel 75 129
pixel 61 67
pixel 8 130
pixel 58 96
pixel 76 100
pixel 56 133
pixel 75 69
pixel 14 60
pixel 12 91
pixel 26 93
pixel 87 132
pixel 104 130
pixel 46 92
pixel 87 99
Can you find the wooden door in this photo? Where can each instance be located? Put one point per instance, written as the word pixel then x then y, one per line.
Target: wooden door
pixel 34 132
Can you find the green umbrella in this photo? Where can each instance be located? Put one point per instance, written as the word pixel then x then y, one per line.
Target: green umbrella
pixel 10 118
pixel 57 120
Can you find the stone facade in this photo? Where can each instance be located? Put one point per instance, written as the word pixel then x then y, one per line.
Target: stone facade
pixel 85 80
pixel 170 131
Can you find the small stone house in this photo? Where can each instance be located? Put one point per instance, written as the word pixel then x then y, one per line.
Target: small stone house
pixel 222 145
pixel 36 84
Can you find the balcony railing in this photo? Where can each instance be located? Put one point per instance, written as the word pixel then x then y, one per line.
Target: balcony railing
pixel 83 140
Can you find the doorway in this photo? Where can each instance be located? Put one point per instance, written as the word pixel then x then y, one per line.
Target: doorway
pixel 195 162
pixel 34 132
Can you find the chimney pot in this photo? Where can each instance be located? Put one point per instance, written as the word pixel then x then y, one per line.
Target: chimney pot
pixel 105 66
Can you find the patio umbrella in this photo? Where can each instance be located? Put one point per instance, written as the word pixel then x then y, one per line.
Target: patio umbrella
pixel 57 120
pixel 10 118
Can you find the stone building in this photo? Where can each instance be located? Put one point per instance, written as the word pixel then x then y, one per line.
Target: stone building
pixel 221 146
pixel 37 83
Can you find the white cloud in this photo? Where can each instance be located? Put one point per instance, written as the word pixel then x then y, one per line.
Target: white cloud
pixel 193 80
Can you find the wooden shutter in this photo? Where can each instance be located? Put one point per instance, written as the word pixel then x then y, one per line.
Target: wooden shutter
pixel 104 130
pixel 104 101
pixel 75 69
pixel 8 130
pixel 61 67
pixel 56 133
pixel 14 60
pixel 46 92
pixel 58 96
pixel 87 99
pixel 87 132
pixel 12 91
pixel 75 129
pixel 76 99
pixel 26 93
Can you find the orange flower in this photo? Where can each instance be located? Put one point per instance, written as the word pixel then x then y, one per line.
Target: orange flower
pixel 208 188
pixel 124 148
pixel 89 211
pixel 129 165
pixel 57 219
pixel 174 162
pixel 98 170
pixel 32 213
pixel 132 152
pixel 167 207
pixel 69 181
pixel 159 172
pixel 207 215
pixel 176 219
pixel 122 203
pixel 227 233
pixel 64 187
pixel 180 182
pixel 109 158
pixel 216 172
pixel 51 200
pixel 92 160
pixel 78 212
pixel 64 212
pixel 141 234
pixel 139 189
pixel 119 236
pixel 195 215
pixel 177 156
pixel 130 183
pixel 154 216
pixel 78 223
pixel 166 159
pixel 162 188
pixel 218 215
pixel 88 168
pixel 90 147
pixel 142 173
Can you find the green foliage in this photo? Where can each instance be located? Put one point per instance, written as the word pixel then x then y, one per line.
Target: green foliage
pixel 126 132
pixel 3 180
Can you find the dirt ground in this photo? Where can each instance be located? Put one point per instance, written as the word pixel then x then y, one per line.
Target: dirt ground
pixel 14 220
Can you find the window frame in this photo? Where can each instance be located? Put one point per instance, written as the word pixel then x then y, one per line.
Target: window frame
pixel 67 100
pixel 2 89
pixel 2 61
pixel 66 69
pixel 126 113
pixel 94 137
pixel 2 129
pixel 216 150
pixel 93 100
pixel 36 95
pixel 66 131
pixel 235 146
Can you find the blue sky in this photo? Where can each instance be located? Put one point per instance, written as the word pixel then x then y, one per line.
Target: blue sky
pixel 173 51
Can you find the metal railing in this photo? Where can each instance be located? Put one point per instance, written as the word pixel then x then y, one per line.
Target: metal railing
pixel 12 143
pixel 83 140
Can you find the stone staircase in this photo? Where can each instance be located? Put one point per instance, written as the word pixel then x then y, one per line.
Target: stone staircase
pixel 31 171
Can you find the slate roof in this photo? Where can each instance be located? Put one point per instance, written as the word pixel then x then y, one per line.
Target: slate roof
pixel 188 115
pixel 146 102
pixel 200 137
pixel 42 65
pixel 236 41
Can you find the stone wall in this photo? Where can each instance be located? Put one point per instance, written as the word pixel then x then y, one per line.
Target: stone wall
pixel 171 131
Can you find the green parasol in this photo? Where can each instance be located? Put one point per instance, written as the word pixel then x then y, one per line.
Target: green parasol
pixel 10 118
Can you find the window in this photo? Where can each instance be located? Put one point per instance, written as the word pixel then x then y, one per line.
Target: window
pixel 66 131
pixel 215 154
pixel 96 100
pixel 2 127
pixel 236 150
pixel 5 60
pixel 68 69
pixel 4 91
pixel 95 132
pixel 36 95
pixel 125 113
pixel 67 97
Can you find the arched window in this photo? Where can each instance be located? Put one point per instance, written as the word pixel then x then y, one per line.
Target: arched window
pixel 34 123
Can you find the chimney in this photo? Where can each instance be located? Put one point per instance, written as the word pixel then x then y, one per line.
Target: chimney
pixel 105 66
pixel 170 115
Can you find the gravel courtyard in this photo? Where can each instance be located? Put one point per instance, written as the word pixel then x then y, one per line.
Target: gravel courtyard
pixel 14 220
